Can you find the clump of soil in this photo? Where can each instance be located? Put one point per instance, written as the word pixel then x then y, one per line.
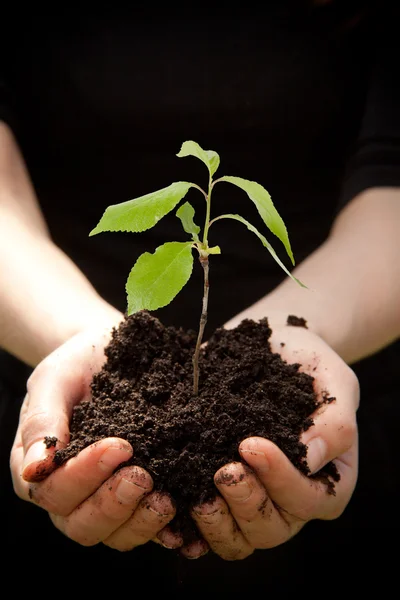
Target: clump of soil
pixel 296 321
pixel 144 394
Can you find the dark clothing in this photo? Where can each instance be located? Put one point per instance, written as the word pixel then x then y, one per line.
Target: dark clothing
pixel 306 102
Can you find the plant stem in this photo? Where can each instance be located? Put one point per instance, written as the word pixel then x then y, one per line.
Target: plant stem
pixel 208 212
pixel 203 318
pixel 203 321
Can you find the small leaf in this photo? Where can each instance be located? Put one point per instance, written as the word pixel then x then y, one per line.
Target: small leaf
pixel 186 213
pixel 214 250
pixel 263 241
pixel 214 161
pixel 157 278
pixel 209 157
pixel 144 212
pixel 265 207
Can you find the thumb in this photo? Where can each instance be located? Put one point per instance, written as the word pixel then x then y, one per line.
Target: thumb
pixel 53 389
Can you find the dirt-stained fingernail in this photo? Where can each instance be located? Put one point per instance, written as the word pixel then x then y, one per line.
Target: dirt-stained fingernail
pixel 160 504
pixel 169 539
pixel 206 509
pixel 127 491
pixel 195 550
pixel 251 451
pixel 112 457
pixel 239 491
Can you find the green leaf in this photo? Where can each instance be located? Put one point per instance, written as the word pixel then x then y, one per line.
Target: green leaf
pixel 265 207
pixel 214 161
pixel 144 212
pixel 264 241
pixel 157 278
pixel 214 250
pixel 209 157
pixel 186 213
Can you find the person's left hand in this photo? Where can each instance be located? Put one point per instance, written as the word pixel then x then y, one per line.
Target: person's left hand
pixel 265 500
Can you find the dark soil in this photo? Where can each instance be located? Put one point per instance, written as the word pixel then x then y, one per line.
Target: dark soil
pixel 144 395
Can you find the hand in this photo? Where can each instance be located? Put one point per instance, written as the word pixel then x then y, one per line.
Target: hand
pixel 265 500
pixel 86 499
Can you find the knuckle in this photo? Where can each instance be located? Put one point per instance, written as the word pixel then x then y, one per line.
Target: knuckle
pixel 347 429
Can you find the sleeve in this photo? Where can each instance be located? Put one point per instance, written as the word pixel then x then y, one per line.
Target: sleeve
pixel 375 161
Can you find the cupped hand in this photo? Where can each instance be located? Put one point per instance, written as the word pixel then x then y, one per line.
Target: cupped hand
pixel 264 500
pixel 88 498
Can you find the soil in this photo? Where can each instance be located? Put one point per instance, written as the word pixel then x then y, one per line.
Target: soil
pixel 144 394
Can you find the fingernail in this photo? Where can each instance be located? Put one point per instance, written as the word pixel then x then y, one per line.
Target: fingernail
pixel 112 457
pixel 173 546
pixel 127 491
pixel 206 510
pixel 160 505
pixel 316 454
pixel 256 459
pixel 169 539
pixel 240 491
pixel 195 550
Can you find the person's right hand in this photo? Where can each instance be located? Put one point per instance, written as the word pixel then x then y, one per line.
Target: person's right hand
pixel 87 498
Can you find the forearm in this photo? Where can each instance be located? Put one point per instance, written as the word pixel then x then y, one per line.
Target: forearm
pixel 44 298
pixel 353 280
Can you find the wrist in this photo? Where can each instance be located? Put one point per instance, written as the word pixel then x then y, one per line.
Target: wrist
pixel 318 312
pixel 32 339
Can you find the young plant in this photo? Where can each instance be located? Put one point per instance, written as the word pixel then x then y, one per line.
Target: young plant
pixel 157 278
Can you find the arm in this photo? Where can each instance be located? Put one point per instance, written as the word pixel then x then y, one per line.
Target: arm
pixel 49 309
pixel 44 298
pixel 353 279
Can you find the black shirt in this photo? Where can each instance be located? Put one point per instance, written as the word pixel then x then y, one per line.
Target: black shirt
pixel 289 98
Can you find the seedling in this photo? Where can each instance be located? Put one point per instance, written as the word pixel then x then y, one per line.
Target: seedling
pixel 157 278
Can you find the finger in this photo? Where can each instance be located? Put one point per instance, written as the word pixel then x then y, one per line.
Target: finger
pixel 107 509
pixel 169 538
pixel 37 468
pixel 195 550
pixel 150 517
pixel 334 429
pixel 81 476
pixel 300 497
pixel 220 531
pixel 258 519
pixel 333 433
